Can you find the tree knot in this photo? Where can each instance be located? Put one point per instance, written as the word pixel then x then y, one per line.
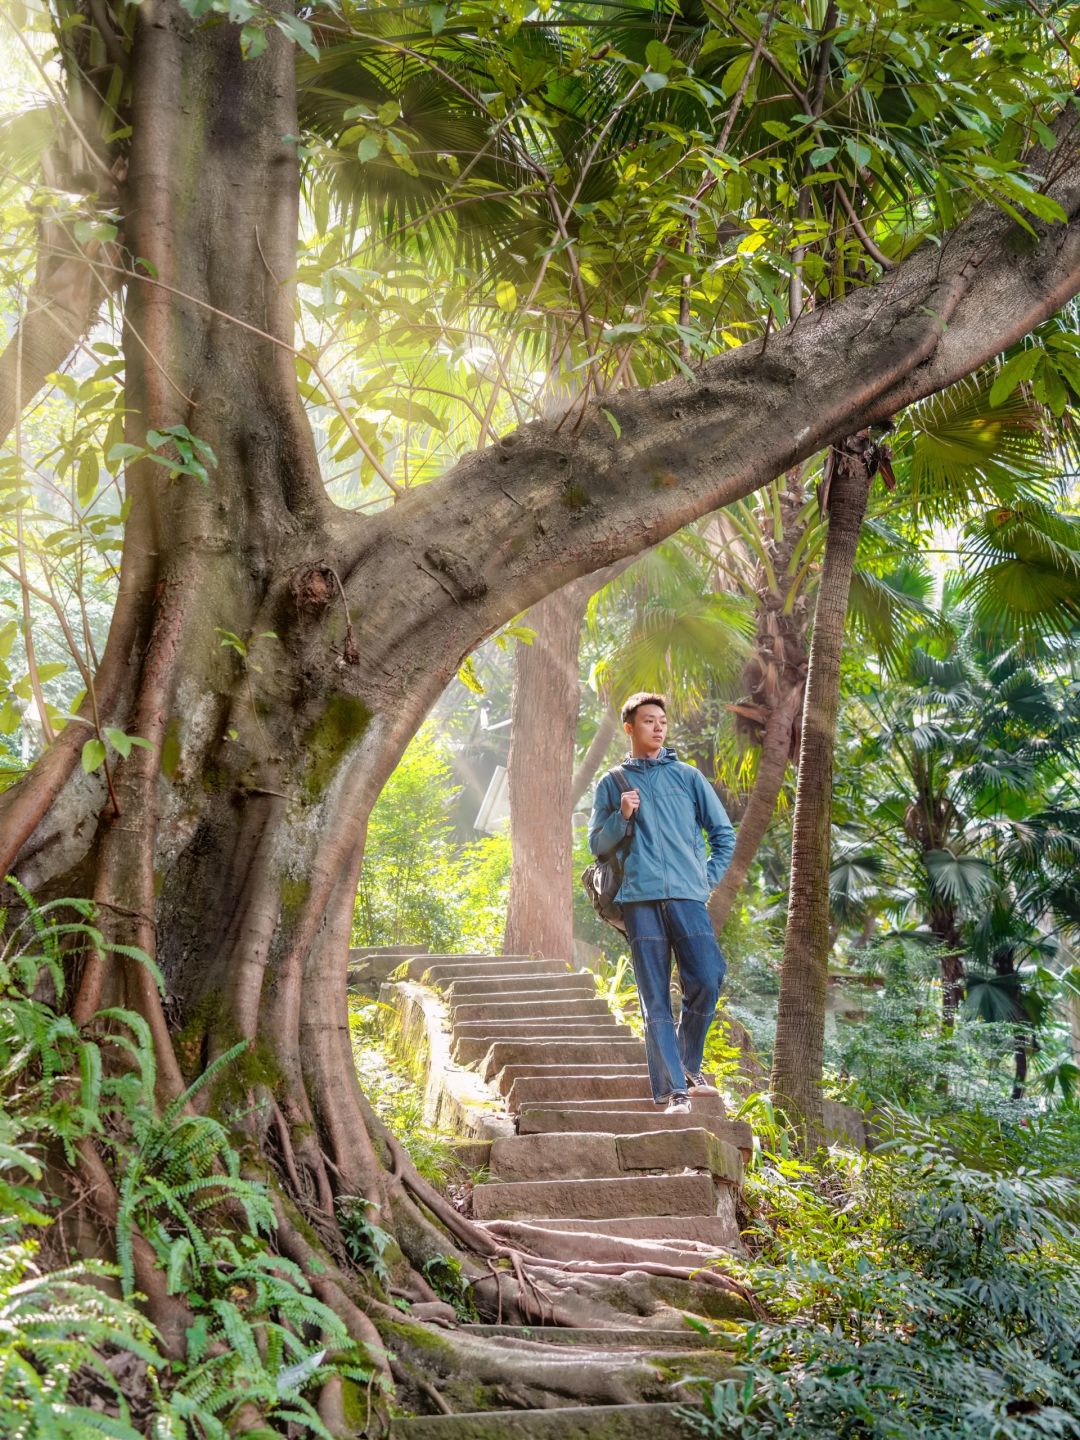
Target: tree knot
pixel 466 580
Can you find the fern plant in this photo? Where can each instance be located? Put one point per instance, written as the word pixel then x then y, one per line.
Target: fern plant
pixel 261 1341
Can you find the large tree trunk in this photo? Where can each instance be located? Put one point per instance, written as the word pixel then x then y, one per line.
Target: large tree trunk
pixel 234 855
pixel 544 711
pixel 800 1019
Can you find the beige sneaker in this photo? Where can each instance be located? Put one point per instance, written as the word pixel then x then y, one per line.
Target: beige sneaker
pixel 678 1105
pixel 698 1085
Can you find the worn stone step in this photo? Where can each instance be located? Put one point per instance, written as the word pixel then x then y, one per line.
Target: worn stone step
pixel 560 1086
pixel 470 1048
pixel 536 1120
pixel 589 1199
pixel 445 972
pixel 419 961
pixel 483 988
pixel 555 1003
pixel 568 1422
pixel 632 1337
pixel 700 1104
pixel 506 1077
pixel 570 1052
pixel 719 1232
pixel 547 1241
pixel 577 1156
pixel 543 1027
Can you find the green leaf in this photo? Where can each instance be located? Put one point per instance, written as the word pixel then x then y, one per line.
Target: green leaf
pixel 118 740
pixel 369 147
pixel 437 16
pixel 659 57
pixel 87 481
pixel 612 421
pixel 506 296
pixel 469 678
pixel 93 755
pixel 299 31
pixel 1013 373
pixel 124 451
pixel 822 154
pixel 653 80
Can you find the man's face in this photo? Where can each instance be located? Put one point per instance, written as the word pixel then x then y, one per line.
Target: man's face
pixel 647 729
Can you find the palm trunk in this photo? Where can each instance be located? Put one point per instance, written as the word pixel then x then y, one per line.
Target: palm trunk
pixel 800 1020
pixel 544 711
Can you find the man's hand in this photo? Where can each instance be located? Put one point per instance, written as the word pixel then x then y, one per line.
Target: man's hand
pixel 629 803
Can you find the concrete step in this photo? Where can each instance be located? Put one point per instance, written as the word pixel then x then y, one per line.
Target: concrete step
pixel 539 1121
pixel 700 1104
pixel 589 1199
pixel 511 1073
pixel 478 988
pixel 560 1086
pixel 717 1232
pixel 577 1156
pixel 470 1048
pixel 570 1052
pixel 554 1003
pixel 632 1337
pixel 424 958
pixel 569 1422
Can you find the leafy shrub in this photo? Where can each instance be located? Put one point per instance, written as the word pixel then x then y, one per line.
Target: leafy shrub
pixel 394 1095
pixel 930 1292
pixel 417 885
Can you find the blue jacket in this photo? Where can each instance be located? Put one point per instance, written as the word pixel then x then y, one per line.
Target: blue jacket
pixel 667 859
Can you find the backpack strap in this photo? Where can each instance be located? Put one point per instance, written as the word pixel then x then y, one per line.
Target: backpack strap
pixel 618 774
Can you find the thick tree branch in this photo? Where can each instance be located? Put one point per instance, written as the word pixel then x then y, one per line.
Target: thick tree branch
pixel 541 507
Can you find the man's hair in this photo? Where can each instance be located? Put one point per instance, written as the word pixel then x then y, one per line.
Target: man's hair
pixel 643 697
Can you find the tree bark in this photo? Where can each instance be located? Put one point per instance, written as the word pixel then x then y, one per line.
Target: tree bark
pixel 800 1021
pixel 544 714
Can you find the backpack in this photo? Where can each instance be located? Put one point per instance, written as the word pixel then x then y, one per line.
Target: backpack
pixel 603 877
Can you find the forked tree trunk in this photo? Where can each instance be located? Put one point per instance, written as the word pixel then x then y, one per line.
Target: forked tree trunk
pixel 544 711
pixel 800 1021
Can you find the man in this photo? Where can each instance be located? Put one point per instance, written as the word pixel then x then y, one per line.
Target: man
pixel 666 882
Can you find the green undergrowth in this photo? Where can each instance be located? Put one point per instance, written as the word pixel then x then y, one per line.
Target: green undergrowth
pixel 394 1094
pixel 929 1290
pixel 78 1358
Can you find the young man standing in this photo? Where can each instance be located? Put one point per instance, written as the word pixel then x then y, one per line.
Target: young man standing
pixel 666 882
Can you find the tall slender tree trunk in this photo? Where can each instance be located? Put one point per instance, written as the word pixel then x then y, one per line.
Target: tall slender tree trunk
pixel 800 1020
pixel 594 756
pixel 544 714
pixel 757 817
pixel 774 681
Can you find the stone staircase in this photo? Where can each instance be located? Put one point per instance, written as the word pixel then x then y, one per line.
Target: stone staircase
pixel 595 1172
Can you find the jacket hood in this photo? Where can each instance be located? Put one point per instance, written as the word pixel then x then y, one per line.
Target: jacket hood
pixel 665 757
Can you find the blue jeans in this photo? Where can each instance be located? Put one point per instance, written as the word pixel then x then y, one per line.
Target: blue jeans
pixel 653 927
